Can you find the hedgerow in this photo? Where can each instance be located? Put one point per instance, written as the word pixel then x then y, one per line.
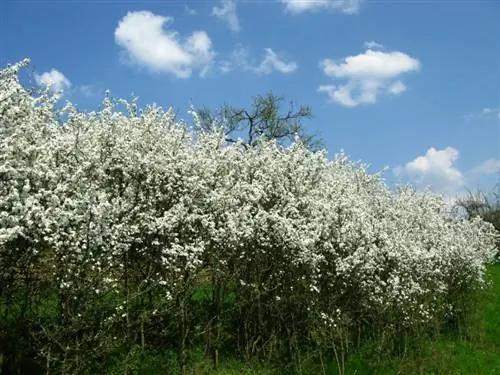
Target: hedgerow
pixel 123 230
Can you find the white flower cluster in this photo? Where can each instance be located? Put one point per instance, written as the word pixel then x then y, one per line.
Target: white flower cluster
pixel 108 188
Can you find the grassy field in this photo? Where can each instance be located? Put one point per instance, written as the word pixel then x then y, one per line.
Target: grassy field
pixel 474 352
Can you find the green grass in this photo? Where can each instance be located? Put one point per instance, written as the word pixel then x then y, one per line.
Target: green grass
pixel 471 353
pixel 475 353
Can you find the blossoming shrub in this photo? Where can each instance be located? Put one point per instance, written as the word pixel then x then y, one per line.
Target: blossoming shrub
pixel 124 230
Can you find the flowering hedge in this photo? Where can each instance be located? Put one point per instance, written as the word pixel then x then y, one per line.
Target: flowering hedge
pixel 124 214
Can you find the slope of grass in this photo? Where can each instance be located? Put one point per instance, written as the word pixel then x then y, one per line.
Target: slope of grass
pixel 474 352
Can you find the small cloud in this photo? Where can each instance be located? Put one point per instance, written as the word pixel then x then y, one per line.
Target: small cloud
pixel 147 42
pixel 271 61
pixel 339 95
pixel 485 113
pixel 435 169
pixel 373 45
pixel 490 166
pixel 397 88
pixel 225 66
pixel 89 90
pixel 301 6
pixel 53 79
pixel 190 11
pixel 329 89
pixel 368 75
pixel 227 12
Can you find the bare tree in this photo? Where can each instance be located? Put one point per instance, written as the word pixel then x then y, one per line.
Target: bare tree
pixel 263 119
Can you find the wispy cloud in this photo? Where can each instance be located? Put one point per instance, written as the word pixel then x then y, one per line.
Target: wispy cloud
pixel 272 62
pixel 189 10
pixel 490 166
pixel 397 88
pixel 373 45
pixel 90 90
pixel 226 12
pixel 301 6
pixel 485 113
pixel 241 59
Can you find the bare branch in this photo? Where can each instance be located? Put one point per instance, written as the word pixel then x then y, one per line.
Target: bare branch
pixel 262 119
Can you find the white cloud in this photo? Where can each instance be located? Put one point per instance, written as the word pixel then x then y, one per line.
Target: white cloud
pixel 225 66
pixel 368 74
pixel 60 84
pixel 372 45
pixel 227 12
pixel 435 169
pixel 90 90
pixel 55 79
pixel 272 62
pixel 148 43
pixel 340 94
pixel 240 58
pixel 371 65
pixel 300 6
pixel 190 11
pixel 485 113
pixel 397 88
pixel 490 166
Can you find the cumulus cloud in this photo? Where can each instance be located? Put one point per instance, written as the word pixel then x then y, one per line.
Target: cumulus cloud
pixel 301 6
pixel 367 75
pixel 272 61
pixel 226 11
pixel 435 169
pixel 147 42
pixel 53 79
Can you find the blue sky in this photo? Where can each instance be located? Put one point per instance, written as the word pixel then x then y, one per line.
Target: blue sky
pixel 410 85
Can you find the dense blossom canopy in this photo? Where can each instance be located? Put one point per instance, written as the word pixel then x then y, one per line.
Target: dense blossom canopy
pixel 91 187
